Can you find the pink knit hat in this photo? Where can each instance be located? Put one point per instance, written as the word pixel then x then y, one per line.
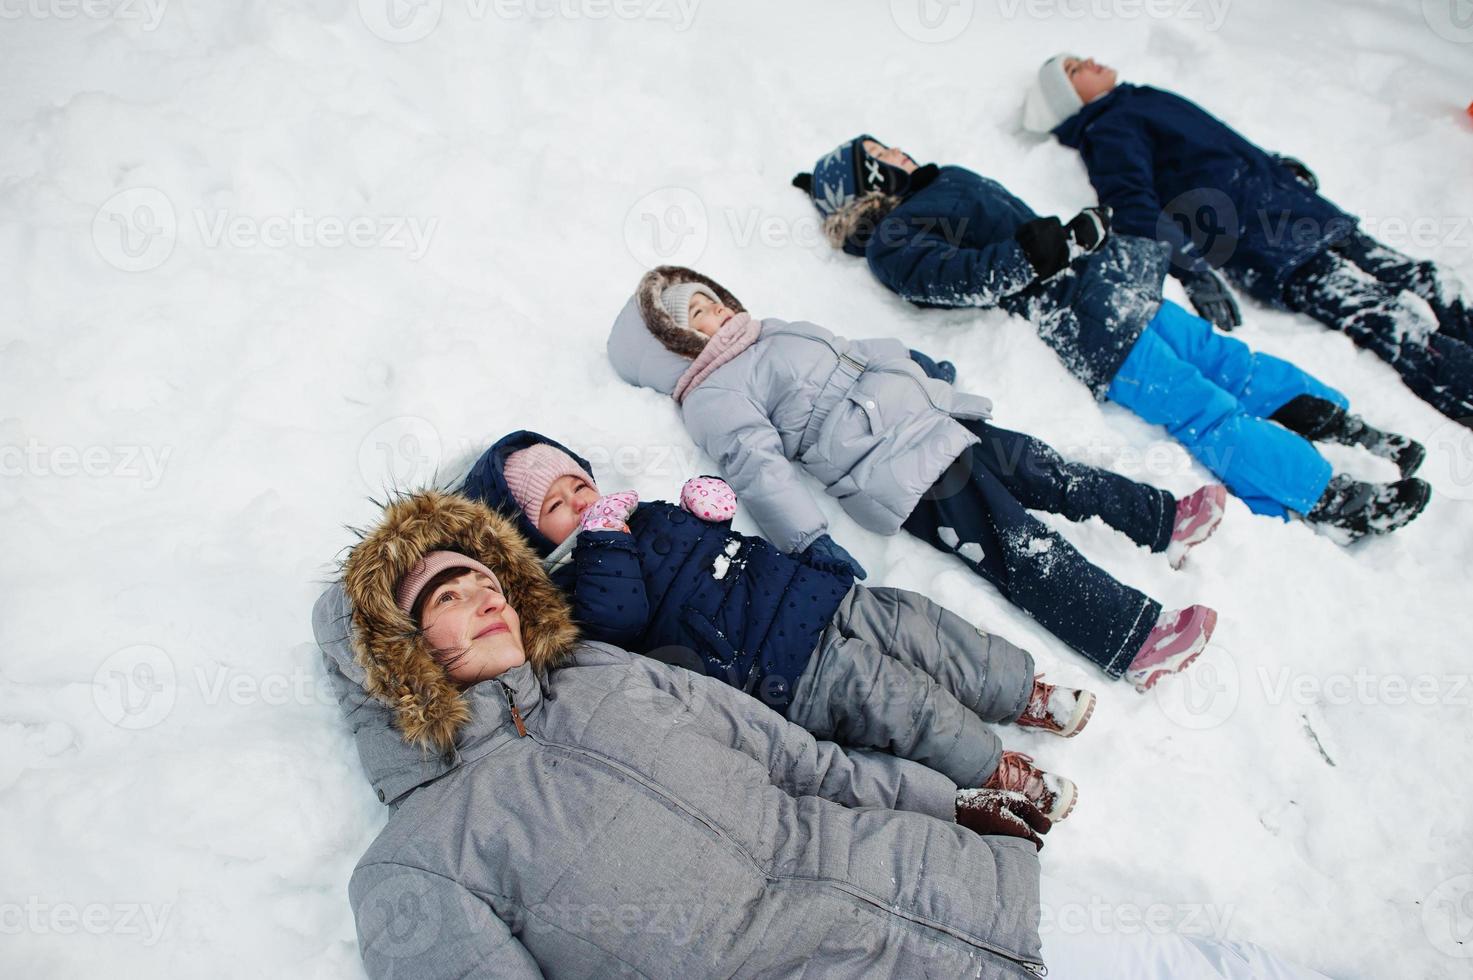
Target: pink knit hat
pixel 428 567
pixel 530 472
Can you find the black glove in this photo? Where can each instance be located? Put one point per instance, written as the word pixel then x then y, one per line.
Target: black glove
pixel 824 555
pixel 1051 245
pixel 1044 242
pixel 1301 173
pixel 1087 231
pixel 1212 299
pixel 1001 813
pixel 940 370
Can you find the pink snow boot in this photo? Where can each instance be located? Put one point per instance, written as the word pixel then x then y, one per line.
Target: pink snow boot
pixel 1062 711
pixel 1179 638
pixel 1054 795
pixel 1197 516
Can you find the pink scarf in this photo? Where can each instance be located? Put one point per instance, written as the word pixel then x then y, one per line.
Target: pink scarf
pixel 735 336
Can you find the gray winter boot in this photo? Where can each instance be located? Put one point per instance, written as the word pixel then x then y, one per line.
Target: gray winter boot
pixel 1353 509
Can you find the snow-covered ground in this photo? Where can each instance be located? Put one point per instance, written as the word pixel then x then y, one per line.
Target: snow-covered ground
pixel 262 261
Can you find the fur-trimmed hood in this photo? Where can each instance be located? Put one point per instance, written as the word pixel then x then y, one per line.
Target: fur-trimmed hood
pixel 399 670
pixel 851 226
pixel 646 347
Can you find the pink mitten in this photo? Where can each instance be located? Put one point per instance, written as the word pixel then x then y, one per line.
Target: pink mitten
pixel 610 513
pixel 710 498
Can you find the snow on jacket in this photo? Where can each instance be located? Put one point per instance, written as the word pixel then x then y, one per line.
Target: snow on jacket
pixel 650 823
pixel 683 590
pixel 952 244
pixel 1173 171
pixel 858 415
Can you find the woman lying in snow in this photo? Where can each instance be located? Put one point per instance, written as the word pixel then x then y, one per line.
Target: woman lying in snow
pixel 565 809
pixel 1172 171
pixel 949 237
pixel 870 668
pixel 897 449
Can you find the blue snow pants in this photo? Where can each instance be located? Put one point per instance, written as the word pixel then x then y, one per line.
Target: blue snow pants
pixel 1214 394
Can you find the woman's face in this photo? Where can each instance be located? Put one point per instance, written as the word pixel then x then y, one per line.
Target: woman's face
pixel 475 634
pixel 707 315
pixel 1090 78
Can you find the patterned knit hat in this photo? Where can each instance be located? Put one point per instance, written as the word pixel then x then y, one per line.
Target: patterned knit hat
pixel 1051 99
pixel 432 564
pixel 676 301
pixel 530 472
pixel 848 172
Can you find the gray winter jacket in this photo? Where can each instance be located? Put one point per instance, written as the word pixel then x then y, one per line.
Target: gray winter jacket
pixel 651 822
pixel 860 416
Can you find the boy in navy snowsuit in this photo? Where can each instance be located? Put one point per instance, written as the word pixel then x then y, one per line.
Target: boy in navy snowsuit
pixel 1171 171
pixel 874 668
pixel 945 236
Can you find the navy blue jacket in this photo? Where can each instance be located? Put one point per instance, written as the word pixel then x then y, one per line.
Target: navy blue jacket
pixel 952 244
pixel 681 590
pixel 1173 171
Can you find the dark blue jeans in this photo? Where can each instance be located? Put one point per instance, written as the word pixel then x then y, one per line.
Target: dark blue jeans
pixel 1357 288
pixel 978 511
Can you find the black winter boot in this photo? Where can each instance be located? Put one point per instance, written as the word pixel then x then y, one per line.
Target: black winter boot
pixel 1357 509
pixel 1319 420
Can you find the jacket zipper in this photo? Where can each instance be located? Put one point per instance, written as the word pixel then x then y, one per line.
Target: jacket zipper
pixel 516 713
pixel 1037 969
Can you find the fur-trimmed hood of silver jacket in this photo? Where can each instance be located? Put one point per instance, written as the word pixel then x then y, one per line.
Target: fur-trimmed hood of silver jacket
pixel 615 816
pixel 399 668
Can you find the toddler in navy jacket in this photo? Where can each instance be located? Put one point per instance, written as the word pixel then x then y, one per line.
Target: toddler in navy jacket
pixel 867 667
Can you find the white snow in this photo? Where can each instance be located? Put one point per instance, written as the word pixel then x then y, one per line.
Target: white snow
pixel 721 564
pixel 261 263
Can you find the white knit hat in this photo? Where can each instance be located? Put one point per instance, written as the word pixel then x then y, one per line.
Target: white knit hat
pixel 1051 99
pixel 676 301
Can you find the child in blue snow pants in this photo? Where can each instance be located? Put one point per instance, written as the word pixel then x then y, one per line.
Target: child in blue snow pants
pixel 1216 395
